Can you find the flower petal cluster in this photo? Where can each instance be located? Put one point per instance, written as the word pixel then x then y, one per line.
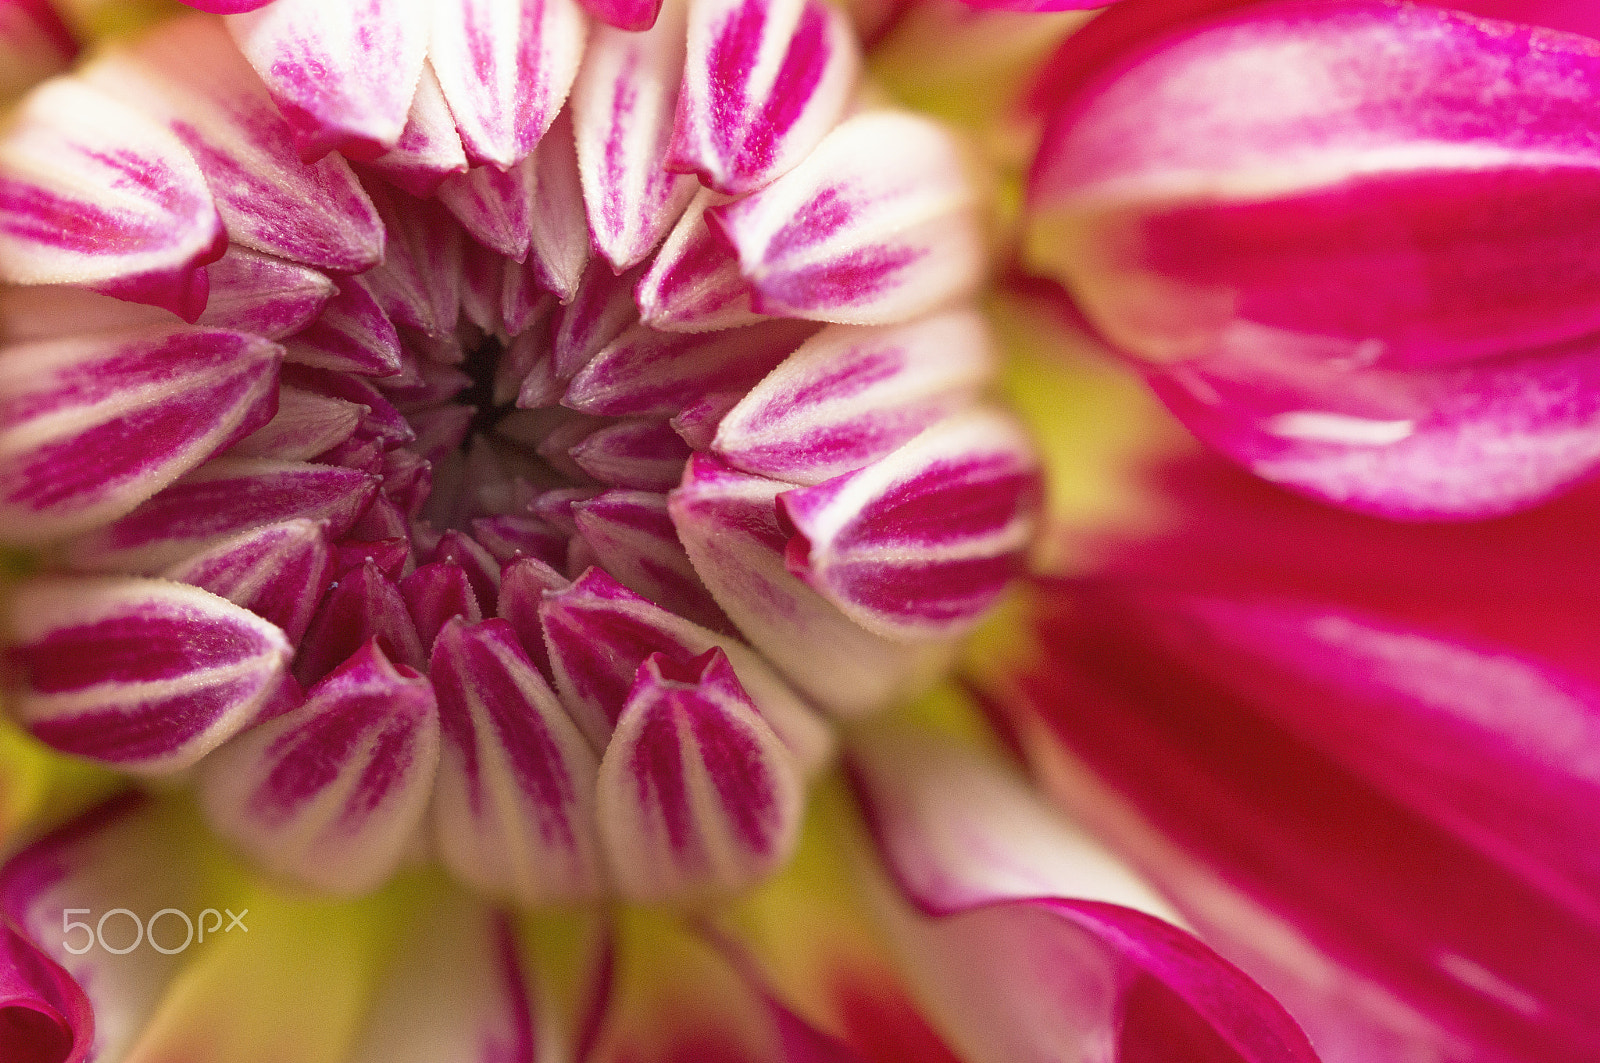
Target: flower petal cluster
pixel 1347 241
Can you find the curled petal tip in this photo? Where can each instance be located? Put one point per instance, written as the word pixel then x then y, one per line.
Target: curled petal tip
pixel 45 1017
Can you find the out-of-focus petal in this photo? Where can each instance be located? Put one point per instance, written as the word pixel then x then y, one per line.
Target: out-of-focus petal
pixel 93 427
pixel 922 542
pixel 34 44
pixel 332 792
pixel 44 1014
pixel 343 76
pixel 93 192
pixel 226 7
pixel 1349 859
pixel 505 67
pixel 849 396
pixel 876 225
pixel 146 675
pixel 622 108
pixel 764 82
pixel 996 910
pixel 729 525
pixel 697 794
pixel 515 806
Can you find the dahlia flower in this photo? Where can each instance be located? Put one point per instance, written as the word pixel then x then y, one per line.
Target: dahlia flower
pixel 1349 242
pixel 470 472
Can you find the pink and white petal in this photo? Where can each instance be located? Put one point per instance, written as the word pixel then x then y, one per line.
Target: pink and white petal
pixel 697 795
pixel 764 83
pixel 622 109
pixel 632 536
pixel 729 525
pixel 877 225
pixel 644 455
pixel 851 395
pixel 561 240
pixel 599 633
pixel 645 373
pixel 93 192
pixel 331 793
pixel 458 990
pixel 363 605
pixel 44 1014
pixel 919 544
pixel 505 67
pixel 306 424
pixel 381 421
pixel 252 292
pixel 145 675
pixel 429 149
pixel 352 334
pixel 601 310
pixel 419 282
pixel 523 584
pixel 693 284
pixel 496 206
pixel 480 566
pixel 189 74
pixel 223 497
pixel 435 593
pixel 343 76
pixel 34 44
pixel 634 15
pixel 515 808
pixel 279 572
pixel 128 852
pixel 94 427
pixel 1009 941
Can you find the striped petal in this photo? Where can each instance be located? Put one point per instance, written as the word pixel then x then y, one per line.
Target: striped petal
pixel 697 794
pixel 434 593
pixel 363 605
pixel 505 67
pixel 1019 933
pixel 278 572
pixel 495 206
pixel 622 107
pixel 599 633
pixel 429 149
pixel 514 809
pixel 419 281
pixel 94 427
pixel 851 395
pixel 648 373
pixel 93 192
pixel 645 455
pixel 633 538
pixel 306 424
pixel 190 74
pixel 921 543
pixel 560 223
pixel 146 675
pixel 330 794
pixel 693 284
pixel 252 292
pixel 352 334
pixel 729 525
pixel 601 309
pixel 764 82
pixel 343 76
pixel 877 225
pixel 456 991
pixel 221 498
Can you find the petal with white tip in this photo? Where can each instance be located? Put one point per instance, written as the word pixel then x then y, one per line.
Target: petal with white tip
pixel 515 805
pixel 94 192
pixel 632 535
pixel 877 225
pixel 146 675
pixel 764 82
pixel 330 793
pixel 697 794
pixel 93 427
pixel 342 75
pixel 429 149
pixel 279 572
pixel 922 542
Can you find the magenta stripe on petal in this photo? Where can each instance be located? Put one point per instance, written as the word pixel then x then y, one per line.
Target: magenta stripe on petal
pixel 697 794
pixel 143 674
pixel 94 192
pixel 495 206
pixel 331 793
pixel 429 149
pixel 363 605
pixel 625 14
pixel 877 225
pixel 633 538
pixel 252 292
pixel 279 572
pixel 920 543
pixel 352 334
pixel 505 67
pixel 515 806
pixel 693 284
pixel 764 82
pixel 93 427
